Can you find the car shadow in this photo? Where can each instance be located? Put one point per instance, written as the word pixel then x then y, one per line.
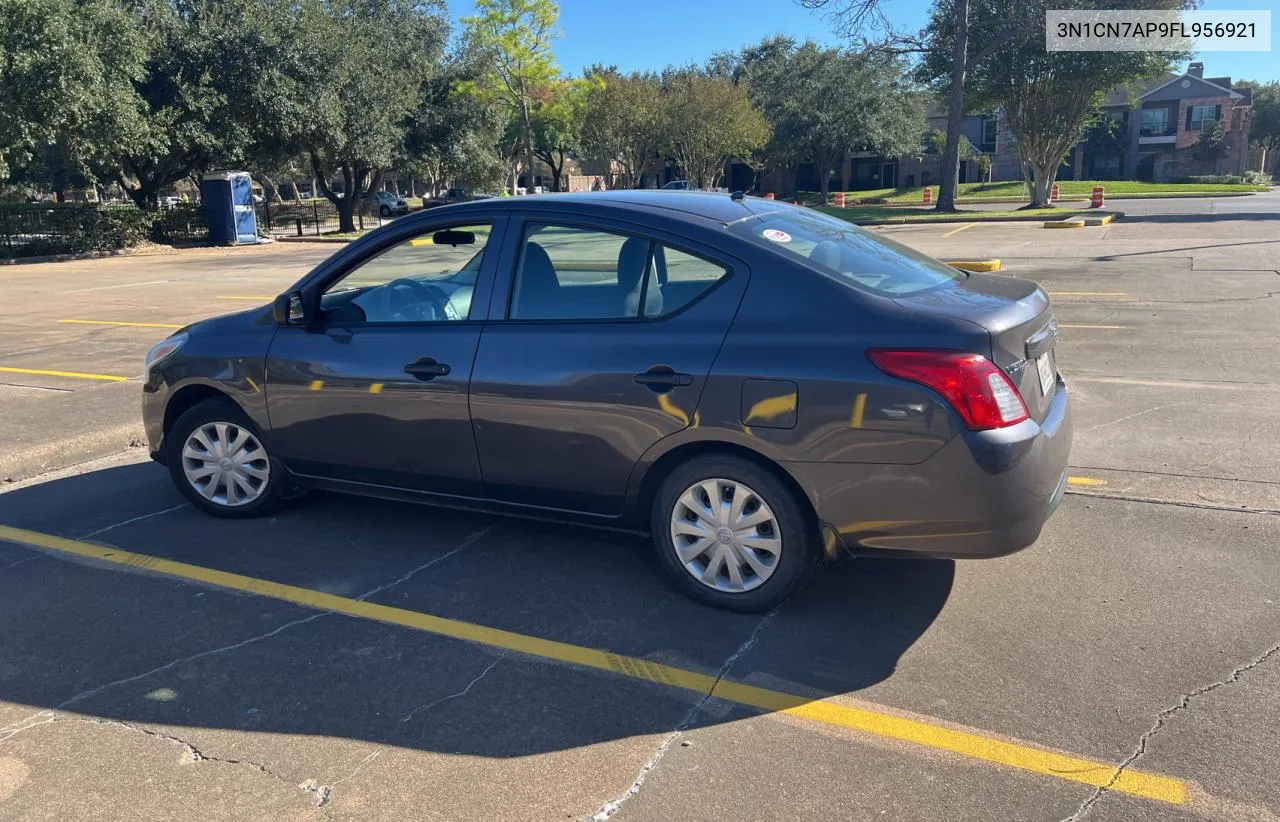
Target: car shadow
pixel 120 644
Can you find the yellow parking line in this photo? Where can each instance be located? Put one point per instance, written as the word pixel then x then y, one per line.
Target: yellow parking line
pixel 1088 294
pixel 973 744
pixel 71 374
pixel 1085 481
pixel 115 322
pixel 1099 327
pixel 958 230
pixel 254 297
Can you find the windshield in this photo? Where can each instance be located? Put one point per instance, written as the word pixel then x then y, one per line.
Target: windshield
pixel 853 254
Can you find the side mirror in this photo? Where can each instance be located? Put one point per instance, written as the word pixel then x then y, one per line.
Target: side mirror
pixel 287 309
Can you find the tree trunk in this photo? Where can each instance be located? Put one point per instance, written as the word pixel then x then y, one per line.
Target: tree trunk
pixel 955 110
pixel 1042 177
pixel 824 182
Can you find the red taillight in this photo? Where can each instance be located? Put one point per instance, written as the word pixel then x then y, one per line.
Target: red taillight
pixel 980 392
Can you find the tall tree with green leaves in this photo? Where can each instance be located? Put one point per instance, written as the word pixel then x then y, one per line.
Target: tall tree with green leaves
pixel 67 75
pixel 707 121
pixel 376 58
pixel 515 36
pixel 1049 99
pixel 453 136
pixel 557 123
pixel 622 123
pixel 823 102
pixel 1264 126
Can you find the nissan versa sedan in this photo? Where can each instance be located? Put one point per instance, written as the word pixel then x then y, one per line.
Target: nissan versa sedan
pixel 756 385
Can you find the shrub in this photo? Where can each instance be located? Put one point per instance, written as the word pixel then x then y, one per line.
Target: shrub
pixel 1216 179
pixel 1257 178
pixel 41 229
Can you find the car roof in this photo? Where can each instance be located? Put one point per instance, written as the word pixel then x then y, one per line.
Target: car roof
pixel 720 208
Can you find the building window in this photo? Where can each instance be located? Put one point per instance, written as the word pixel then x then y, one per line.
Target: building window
pixel 990 126
pixel 1155 122
pixel 1203 117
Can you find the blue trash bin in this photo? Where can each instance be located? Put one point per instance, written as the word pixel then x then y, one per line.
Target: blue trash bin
pixel 229 208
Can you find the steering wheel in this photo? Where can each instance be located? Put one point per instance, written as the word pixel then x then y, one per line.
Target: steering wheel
pixel 403 299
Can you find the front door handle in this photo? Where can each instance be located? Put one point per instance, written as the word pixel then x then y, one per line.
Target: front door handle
pixel 426 369
pixel 663 378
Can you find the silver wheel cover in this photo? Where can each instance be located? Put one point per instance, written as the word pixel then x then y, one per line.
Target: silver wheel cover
pixel 725 535
pixel 225 464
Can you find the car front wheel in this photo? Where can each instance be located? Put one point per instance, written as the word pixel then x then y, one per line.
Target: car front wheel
pixel 731 534
pixel 218 461
pixel 384 211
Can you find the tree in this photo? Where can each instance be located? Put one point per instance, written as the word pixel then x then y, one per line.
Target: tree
pixel 557 123
pixel 1264 128
pixel 516 36
pixel 824 102
pixel 1048 99
pixel 363 104
pixel 708 120
pixel 1211 146
pixel 948 60
pixel 622 122
pixel 66 81
pixel 453 135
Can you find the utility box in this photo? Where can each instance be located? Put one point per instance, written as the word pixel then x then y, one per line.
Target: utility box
pixel 229 208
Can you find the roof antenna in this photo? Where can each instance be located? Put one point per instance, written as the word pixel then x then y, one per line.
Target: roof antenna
pixel 737 196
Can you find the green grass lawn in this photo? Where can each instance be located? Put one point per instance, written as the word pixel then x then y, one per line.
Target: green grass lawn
pixel 1015 190
pixel 858 214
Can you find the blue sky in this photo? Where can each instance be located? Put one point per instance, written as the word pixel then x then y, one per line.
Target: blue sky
pixel 650 34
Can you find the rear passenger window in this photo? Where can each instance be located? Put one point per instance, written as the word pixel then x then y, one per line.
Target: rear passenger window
pixel 687 278
pixel 568 273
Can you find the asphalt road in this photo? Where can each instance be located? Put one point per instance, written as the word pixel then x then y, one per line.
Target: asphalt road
pixel 355 659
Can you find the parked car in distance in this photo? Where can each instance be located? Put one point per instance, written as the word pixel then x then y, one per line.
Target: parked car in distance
pixel 457 195
pixel 756 385
pixel 676 185
pixel 390 204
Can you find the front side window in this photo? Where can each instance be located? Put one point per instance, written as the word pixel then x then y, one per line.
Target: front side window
pixel 429 278
pixel 846 252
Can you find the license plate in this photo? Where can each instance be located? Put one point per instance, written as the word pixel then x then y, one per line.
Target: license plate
pixel 1044 365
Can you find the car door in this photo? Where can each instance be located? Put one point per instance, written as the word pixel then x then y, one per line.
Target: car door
pixel 373 389
pixel 602 349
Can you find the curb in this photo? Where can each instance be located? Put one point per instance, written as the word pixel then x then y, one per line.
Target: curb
pixel 1069 222
pixel 974 265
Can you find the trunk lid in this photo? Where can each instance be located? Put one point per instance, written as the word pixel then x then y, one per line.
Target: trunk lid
pixel 1018 319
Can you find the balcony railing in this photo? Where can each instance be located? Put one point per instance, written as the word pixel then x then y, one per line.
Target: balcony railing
pixel 1156 131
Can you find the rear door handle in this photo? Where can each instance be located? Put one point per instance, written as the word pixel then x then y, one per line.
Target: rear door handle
pixel 662 377
pixel 426 369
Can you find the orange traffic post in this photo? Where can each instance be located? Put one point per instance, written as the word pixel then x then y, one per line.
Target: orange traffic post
pixel 928 195
pixel 1096 200
pixel 768 195
pixel 839 203
pixel 1053 193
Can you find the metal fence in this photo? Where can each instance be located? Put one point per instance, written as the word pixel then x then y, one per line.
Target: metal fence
pixel 33 229
pixel 312 218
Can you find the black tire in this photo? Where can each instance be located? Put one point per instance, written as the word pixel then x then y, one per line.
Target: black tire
pixel 207 413
pixel 795 525
pixel 384 211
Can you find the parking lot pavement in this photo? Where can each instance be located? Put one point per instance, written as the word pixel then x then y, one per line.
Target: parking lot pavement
pixel 357 659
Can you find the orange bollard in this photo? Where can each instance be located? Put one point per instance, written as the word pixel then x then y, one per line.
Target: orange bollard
pixel 1053 193
pixel 1096 200
pixel 768 195
pixel 839 203
pixel 928 195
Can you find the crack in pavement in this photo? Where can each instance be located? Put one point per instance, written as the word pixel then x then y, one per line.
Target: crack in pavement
pixel 321 793
pixel 611 807
pixel 1177 503
pixel 19 562
pixel 1161 719
pixel 428 706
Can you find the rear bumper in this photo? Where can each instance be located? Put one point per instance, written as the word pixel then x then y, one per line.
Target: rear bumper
pixel 983 494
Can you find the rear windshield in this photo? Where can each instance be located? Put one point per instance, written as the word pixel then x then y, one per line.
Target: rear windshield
pixel 838 248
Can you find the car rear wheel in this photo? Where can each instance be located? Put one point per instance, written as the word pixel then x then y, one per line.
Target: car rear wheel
pixel 385 211
pixel 731 534
pixel 218 461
